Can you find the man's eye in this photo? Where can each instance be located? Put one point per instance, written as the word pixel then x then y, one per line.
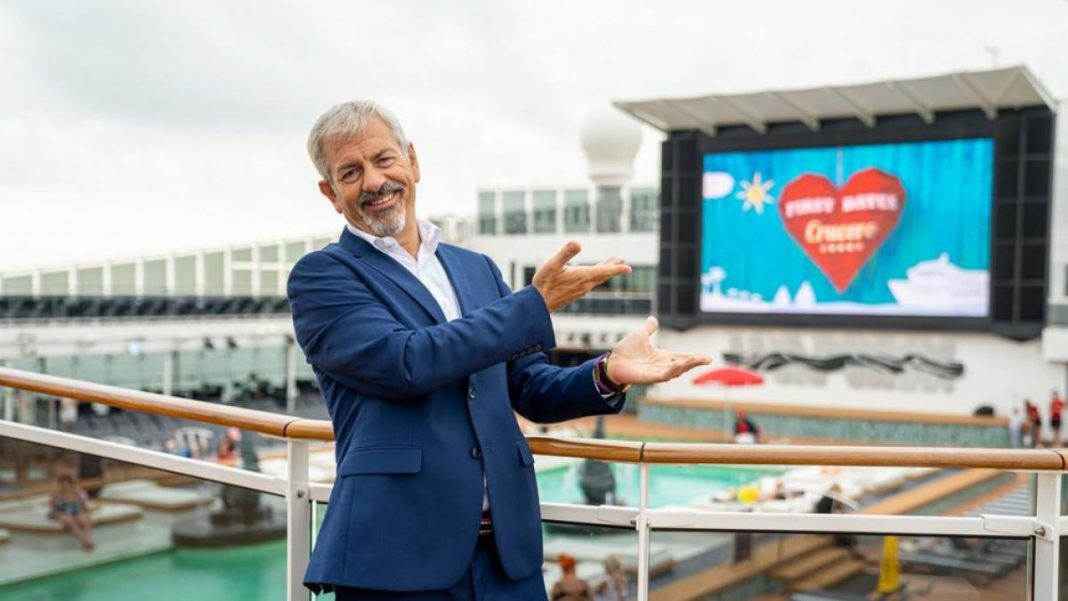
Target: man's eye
pixel 385 161
pixel 349 175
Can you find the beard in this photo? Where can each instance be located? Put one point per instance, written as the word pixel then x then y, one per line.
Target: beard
pixel 383 223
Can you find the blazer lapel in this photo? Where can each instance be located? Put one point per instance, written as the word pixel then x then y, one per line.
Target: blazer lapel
pixel 393 270
pixel 464 292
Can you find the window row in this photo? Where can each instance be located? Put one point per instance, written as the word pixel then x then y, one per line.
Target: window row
pixel 572 211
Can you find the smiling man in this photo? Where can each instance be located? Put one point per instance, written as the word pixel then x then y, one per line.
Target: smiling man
pixel 423 354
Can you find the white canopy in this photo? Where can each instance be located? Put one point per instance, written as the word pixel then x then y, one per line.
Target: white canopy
pixel 987 90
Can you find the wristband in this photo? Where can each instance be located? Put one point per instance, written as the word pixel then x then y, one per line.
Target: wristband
pixel 600 377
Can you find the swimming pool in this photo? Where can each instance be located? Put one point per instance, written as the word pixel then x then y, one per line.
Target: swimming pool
pixel 668 484
pixel 258 571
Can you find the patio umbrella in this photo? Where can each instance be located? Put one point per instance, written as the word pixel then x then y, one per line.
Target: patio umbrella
pixel 728 377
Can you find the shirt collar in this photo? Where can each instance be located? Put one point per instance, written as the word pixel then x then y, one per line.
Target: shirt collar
pixel 429 237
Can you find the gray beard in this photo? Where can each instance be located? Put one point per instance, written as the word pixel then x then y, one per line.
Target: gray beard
pixel 389 224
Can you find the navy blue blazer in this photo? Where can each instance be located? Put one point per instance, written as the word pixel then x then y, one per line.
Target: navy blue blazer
pixel 421 408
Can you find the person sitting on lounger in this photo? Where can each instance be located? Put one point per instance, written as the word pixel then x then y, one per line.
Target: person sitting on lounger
pixel 69 506
pixel 745 430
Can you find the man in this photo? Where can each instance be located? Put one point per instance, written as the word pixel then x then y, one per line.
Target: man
pixel 422 353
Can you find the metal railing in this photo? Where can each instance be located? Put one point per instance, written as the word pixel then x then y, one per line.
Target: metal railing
pixel 1043 527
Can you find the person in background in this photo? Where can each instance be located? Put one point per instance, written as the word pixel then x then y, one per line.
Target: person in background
pixel 1016 426
pixel 570 587
pixel 1034 419
pixel 69 506
pixel 1056 407
pixel 614 586
pixel 227 449
pixel 745 430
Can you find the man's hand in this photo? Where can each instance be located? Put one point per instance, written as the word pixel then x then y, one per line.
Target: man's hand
pixel 635 360
pixel 560 284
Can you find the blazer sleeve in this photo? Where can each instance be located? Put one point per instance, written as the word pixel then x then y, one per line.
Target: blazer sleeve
pixel 545 393
pixel 349 333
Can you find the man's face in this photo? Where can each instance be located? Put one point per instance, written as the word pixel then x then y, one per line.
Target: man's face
pixel 373 180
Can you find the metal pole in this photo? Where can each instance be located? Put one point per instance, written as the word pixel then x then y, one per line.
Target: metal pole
pixel 291 377
pixel 642 524
pixel 1047 536
pixel 298 521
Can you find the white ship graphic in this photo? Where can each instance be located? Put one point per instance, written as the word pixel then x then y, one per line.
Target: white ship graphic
pixel 940 287
pixel 936 287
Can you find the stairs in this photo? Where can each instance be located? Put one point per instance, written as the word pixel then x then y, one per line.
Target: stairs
pixel 820 569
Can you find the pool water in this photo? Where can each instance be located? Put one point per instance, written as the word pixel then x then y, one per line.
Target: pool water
pixel 250 572
pixel 258 571
pixel 668 484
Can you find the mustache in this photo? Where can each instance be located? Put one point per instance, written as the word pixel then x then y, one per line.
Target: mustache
pixel 386 189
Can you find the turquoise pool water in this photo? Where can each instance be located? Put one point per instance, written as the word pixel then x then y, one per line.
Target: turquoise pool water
pixel 668 484
pixel 258 572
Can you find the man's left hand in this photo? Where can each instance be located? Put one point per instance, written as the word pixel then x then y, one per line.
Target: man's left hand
pixel 635 360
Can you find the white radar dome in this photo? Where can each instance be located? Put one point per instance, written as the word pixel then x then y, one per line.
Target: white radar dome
pixel 610 140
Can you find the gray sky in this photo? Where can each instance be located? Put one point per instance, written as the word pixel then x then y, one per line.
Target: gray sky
pixel 131 128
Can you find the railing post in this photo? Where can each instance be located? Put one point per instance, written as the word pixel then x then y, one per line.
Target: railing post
pixel 642 523
pixel 298 521
pixel 1047 536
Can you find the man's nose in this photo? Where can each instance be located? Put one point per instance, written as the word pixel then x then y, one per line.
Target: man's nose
pixel 373 180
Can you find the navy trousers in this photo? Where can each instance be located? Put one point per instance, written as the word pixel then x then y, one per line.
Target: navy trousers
pixel 484 580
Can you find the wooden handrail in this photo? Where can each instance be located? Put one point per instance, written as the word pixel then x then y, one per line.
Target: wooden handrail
pixel 287 426
pixel 149 402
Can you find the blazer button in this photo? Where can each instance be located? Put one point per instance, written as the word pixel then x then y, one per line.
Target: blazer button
pixel 471 393
pixel 476 453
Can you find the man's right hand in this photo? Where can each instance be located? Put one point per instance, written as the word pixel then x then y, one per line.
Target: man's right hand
pixel 560 284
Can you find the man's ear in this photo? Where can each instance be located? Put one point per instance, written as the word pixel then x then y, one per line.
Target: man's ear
pixel 414 160
pixel 328 191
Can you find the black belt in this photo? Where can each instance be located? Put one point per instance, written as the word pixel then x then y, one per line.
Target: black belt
pixel 485 525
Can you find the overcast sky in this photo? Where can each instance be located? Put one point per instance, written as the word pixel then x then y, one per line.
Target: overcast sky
pixel 130 128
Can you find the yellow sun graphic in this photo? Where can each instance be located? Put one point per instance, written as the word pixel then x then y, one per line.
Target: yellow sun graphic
pixel 755 194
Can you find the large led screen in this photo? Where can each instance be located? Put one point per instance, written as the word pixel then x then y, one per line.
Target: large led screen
pixel 883 229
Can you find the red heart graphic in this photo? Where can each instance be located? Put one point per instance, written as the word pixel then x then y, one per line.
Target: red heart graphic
pixel 841 229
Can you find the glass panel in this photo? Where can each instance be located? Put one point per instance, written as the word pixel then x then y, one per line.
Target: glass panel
pixel 150 530
pixel 566 480
pixel 269 254
pixel 487 213
pixel 269 282
pixel 242 282
pixel 155 277
pixel 710 563
pixel 22 284
pixel 185 275
pixel 609 210
pixel 827 567
pixel 124 279
pixel 644 210
pixel 55 283
pixel 576 211
pixel 241 254
pixel 515 212
pixel 294 251
pixel 91 281
pixel 214 284
pixel 544 211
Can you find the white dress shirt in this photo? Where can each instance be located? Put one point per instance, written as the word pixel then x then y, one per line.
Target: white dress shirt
pixel 426 268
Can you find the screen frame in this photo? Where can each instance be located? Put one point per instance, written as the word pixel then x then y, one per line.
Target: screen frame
pixel 892 130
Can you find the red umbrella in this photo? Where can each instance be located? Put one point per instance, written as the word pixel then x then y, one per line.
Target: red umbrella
pixel 729 376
